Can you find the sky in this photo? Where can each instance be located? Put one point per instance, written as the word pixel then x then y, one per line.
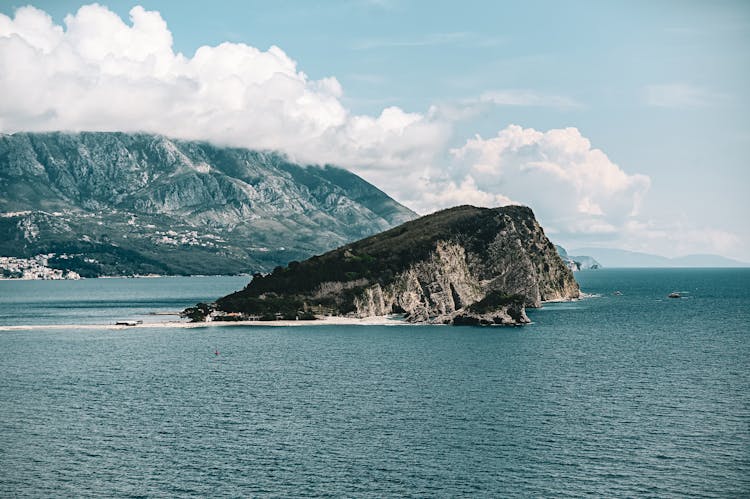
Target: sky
pixel 621 124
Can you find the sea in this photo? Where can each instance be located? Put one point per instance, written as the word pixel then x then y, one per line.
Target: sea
pixel 626 393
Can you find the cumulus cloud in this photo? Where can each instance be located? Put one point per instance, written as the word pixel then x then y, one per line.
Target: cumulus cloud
pixel 576 191
pixel 573 187
pixel 429 193
pixel 101 73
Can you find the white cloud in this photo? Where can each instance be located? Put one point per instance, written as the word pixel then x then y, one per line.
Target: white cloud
pixel 571 186
pixel 100 73
pixel 680 96
pixel 441 193
pixel 576 191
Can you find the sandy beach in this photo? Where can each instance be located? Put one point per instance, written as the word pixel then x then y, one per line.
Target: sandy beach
pixel 390 320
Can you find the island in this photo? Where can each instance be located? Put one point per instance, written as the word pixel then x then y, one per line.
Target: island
pixel 463 265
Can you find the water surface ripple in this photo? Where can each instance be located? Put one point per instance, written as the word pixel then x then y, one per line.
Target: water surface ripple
pixel 632 395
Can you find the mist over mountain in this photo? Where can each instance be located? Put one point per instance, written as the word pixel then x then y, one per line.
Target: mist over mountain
pixel 120 204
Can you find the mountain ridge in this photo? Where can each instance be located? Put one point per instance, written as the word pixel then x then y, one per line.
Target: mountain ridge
pixel 175 206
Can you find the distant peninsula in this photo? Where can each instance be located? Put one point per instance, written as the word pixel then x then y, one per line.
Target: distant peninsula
pixel 463 265
pixel 576 263
pixel 618 258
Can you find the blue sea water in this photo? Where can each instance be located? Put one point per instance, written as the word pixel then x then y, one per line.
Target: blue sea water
pixel 102 301
pixel 613 396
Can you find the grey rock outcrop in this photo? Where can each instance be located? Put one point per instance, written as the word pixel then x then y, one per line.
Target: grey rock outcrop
pixel 433 290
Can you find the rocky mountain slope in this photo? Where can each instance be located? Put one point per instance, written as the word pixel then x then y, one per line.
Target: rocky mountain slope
pixel 120 204
pixel 464 265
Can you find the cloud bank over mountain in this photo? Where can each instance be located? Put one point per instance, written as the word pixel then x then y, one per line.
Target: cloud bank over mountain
pixel 98 72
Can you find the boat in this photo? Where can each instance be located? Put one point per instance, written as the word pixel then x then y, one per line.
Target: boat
pixel 674 294
pixel 128 323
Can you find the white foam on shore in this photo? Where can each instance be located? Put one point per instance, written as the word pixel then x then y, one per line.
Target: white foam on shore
pixel 388 320
pixel 561 300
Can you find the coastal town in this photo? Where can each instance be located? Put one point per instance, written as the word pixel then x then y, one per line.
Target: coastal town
pixel 35 267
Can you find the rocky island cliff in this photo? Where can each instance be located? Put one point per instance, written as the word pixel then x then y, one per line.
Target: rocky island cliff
pixel 463 265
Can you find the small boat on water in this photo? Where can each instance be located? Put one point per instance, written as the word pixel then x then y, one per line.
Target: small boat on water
pixel 128 323
pixel 674 294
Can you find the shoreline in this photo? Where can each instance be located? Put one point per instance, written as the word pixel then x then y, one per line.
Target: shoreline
pixel 145 276
pixel 389 320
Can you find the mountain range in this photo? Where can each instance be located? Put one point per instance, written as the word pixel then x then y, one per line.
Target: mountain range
pixel 609 257
pixel 100 203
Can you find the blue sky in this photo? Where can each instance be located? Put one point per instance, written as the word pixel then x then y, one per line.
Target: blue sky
pixel 659 87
